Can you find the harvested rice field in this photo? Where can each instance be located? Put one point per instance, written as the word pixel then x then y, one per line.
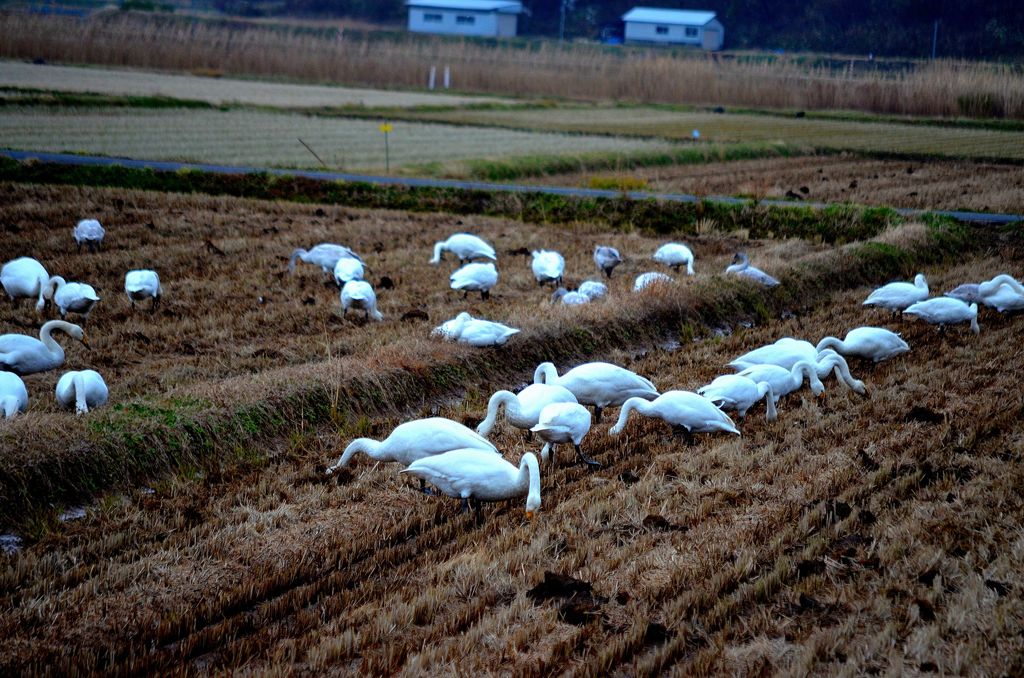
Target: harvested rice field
pixel 934 185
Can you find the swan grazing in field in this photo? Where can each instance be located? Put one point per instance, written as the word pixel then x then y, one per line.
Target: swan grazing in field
pixel 74 298
pixel 83 389
pixel 548 267
pixel 783 381
pixel 607 258
pixel 741 266
pixel 523 409
pixel 785 352
pixel 13 394
pixel 734 392
pixel 870 343
pixel 897 296
pixel 415 440
pixel 967 293
pixel 90 233
pixel 475 278
pixel 943 311
pixel 359 294
pixel 674 255
pixel 569 297
pixel 466 329
pixel 25 277
pixel 469 475
pixel 561 423
pixel 143 284
pixel 23 354
pixel 599 384
pixel 348 269
pixel 645 280
pixel 465 246
pixel 680 409
pixel 325 255
pixel 1002 293
pixel 593 290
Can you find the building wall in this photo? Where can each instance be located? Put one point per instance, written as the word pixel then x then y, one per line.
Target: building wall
pixel 713 35
pixel 455 22
pixel 507 25
pixel 675 34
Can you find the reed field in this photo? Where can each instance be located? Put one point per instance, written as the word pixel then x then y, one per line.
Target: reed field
pixel 945 88
pixel 269 139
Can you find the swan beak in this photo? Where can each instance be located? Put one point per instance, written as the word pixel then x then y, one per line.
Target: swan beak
pixel 531 515
pixel 85 342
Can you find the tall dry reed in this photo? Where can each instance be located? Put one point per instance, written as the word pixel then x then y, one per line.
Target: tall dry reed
pixel 947 88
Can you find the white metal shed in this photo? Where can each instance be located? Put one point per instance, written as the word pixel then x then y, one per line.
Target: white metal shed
pixel 674 26
pixel 490 18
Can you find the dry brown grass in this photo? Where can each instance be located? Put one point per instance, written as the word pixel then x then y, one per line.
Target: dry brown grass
pixel 550 70
pixel 845 537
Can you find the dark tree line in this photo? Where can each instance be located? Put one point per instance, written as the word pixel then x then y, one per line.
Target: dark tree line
pixel 967 28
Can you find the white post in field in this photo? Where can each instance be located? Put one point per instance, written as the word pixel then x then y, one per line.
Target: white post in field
pixel 433 78
pixel 447 77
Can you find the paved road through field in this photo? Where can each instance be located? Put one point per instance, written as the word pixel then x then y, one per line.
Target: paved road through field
pixel 165 166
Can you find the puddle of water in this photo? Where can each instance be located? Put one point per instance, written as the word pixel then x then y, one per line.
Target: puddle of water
pixel 10 543
pixel 74 513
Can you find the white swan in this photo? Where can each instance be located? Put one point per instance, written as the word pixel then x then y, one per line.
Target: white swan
pixel 325 255
pixel 607 258
pixel 1002 293
pixel 870 343
pixel 569 297
pixel 465 246
pixel 561 423
pixel 22 354
pixel 733 392
pixel 83 389
pixel 90 233
pixel 897 296
pixel 143 284
pixel 522 410
pixel 475 278
pixel 348 269
pixel 415 440
pixel 466 329
pixel 13 394
pixel 359 294
pixel 593 290
pixel 74 297
pixel 25 277
pixel 468 475
pixel 783 381
pixel 674 255
pixel 741 266
pixel 645 280
pixel 683 410
pixel 599 384
pixel 944 311
pixel 548 266
pixel 785 352
pixel 967 293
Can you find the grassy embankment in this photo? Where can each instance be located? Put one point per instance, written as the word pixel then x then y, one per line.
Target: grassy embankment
pixel 147 437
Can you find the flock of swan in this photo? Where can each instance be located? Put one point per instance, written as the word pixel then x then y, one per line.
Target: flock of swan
pixel 464 464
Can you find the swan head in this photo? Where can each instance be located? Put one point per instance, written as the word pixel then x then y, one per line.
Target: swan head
pixel 920 280
pixel 740 258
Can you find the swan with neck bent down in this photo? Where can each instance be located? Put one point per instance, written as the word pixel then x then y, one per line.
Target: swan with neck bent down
pixel 325 255
pixel 785 381
pixel 465 246
pixel 13 394
pixel 787 352
pixel 23 354
pixel 599 384
pixel 870 343
pixel 1002 293
pixel 469 475
pixel 943 311
pixel 415 440
pixel 522 410
pixel 25 277
pixel 82 389
pixel 735 392
pixel 683 410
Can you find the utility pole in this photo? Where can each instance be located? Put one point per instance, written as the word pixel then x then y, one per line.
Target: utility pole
pixel 566 5
pixel 935 38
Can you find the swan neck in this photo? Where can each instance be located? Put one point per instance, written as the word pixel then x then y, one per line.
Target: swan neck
pixel 78 383
pixel 830 342
pixel 367 446
pixel 765 389
pixel 10 405
pixel 506 398
pixel 545 374
pixel 55 283
pixel 529 480
pixel 295 256
pixel 46 336
pixel 631 404
pixel 438 251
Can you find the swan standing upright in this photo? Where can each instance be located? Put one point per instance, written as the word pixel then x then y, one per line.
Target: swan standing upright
pixel 143 284
pixel 13 394
pixel 359 294
pixel 469 475
pixel 607 258
pixel 548 267
pixel 897 296
pixel 417 439
pixel 741 266
pixel 1002 293
pixel 563 423
pixel 25 277
pixel 465 246
pixel 674 255
pixel 90 233
pixel 325 255
pixel 682 410
pixel 870 343
pixel 475 278
pixel 522 410
pixel 943 311
pixel 598 384
pixel 83 389
pixel 735 392
pixel 74 297
pixel 22 354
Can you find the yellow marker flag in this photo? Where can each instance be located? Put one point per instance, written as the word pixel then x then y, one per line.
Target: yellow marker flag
pixel 385 127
